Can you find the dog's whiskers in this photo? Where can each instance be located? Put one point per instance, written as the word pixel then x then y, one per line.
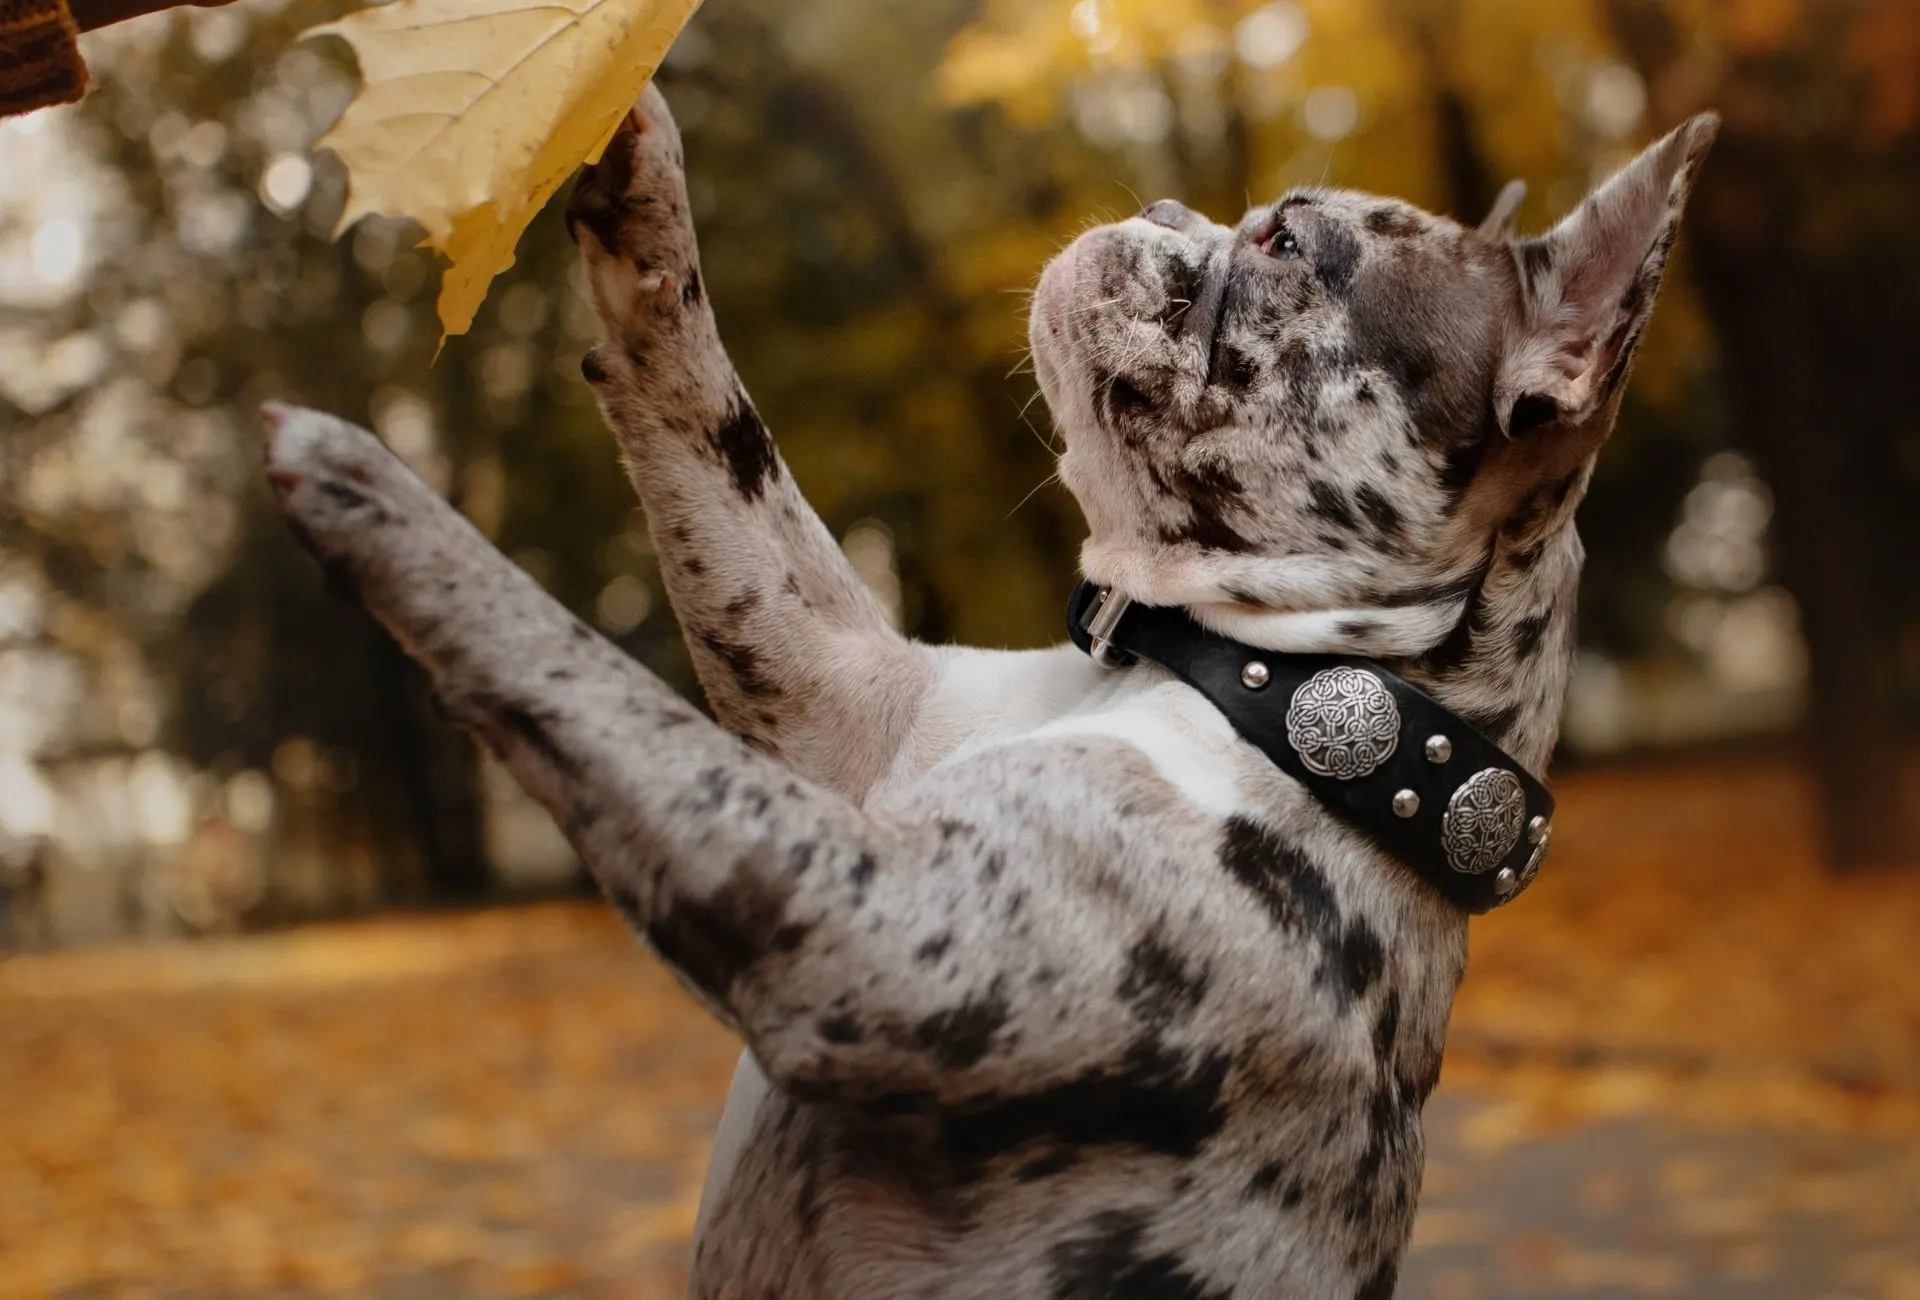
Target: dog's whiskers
pixel 1037 488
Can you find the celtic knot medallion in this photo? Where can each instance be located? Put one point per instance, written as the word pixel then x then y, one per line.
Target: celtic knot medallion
pixel 1343 723
pixel 1483 820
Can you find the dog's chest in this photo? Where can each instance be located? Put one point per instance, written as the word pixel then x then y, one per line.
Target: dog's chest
pixel 1273 1149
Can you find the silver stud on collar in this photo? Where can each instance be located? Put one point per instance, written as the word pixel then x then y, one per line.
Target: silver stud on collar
pixel 1439 749
pixel 1255 676
pixel 1506 882
pixel 1406 804
pixel 1539 830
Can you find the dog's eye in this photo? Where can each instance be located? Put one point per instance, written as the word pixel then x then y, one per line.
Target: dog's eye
pixel 1281 243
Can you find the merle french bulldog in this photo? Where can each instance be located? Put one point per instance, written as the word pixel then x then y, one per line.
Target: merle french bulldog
pixel 1051 983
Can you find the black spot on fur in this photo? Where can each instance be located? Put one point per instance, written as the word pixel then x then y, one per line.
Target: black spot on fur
pixel 860 875
pixel 992 868
pixel 1436 593
pixel 1411 368
pixel 343 495
pixel 1330 502
pixel 743 443
pixel 692 291
pixel 1385 1176
pixel 934 949
pixel 1047 1164
pixel 592 370
pixel 1494 723
pixel 1361 960
pixel 714 941
pixel 1299 898
pixel 960 1036
pixel 1157 984
pixel 1380 512
pixel 1381 1282
pixel 1106 1263
pixel 1336 257
pixel 1154 1099
pixel 842 1029
pixel 743 662
pixel 1536 259
pixel 1209 532
pixel 1386 1028
pixel 1393 222
pixel 1460 464
pixel 524 726
pixel 1292 890
pixel 1266 1179
pixel 1238 370
pixel 1528 634
pixel 1452 653
pixel 1209 491
pixel 1419 1073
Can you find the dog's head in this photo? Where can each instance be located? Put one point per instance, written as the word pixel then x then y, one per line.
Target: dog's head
pixel 1312 427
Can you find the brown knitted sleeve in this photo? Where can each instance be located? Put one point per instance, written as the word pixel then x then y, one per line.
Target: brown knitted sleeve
pixel 40 60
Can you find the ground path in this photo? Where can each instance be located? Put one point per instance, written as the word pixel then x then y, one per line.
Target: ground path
pixel 1687 1064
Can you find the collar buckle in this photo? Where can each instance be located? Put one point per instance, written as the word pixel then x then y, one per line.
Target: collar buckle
pixel 1102 620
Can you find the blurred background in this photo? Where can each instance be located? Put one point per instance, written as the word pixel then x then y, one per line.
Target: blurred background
pixel 1689 1065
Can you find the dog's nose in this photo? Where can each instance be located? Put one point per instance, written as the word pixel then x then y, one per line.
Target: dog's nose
pixel 1172 214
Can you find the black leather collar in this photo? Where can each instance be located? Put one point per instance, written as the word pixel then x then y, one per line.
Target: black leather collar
pixel 1381 753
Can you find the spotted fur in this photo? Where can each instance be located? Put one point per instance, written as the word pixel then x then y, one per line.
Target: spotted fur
pixel 1052 988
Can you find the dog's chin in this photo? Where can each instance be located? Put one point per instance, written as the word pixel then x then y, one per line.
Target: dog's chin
pixel 1053 299
pixel 1307 604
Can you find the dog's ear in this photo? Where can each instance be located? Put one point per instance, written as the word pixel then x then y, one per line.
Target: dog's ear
pixel 1499 222
pixel 1588 285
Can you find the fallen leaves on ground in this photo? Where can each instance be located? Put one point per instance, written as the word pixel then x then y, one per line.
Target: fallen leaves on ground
pixel 1685 1046
pixel 1684 950
pixel 496 1104
pixel 472 112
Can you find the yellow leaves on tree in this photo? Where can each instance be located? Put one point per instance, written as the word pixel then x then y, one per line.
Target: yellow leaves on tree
pixel 472 113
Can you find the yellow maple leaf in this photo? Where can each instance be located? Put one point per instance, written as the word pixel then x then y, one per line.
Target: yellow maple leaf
pixel 472 112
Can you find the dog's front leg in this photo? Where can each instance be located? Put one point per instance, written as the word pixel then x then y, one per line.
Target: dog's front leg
pixel 858 956
pixel 794 652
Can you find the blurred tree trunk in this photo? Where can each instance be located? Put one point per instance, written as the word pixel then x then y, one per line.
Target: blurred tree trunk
pixel 811 108
pixel 1793 256
pixel 1466 176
